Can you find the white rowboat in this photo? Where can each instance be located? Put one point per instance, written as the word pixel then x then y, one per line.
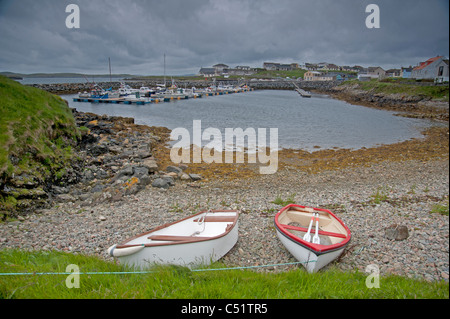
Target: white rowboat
pixel 197 240
pixel 291 224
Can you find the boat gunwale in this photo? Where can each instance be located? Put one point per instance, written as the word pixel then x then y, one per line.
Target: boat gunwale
pixel 228 229
pixel 315 248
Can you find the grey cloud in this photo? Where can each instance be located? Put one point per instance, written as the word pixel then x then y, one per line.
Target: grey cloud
pixel 196 33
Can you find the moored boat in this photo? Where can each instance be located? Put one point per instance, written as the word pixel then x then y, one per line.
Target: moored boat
pixel 197 240
pixel 314 236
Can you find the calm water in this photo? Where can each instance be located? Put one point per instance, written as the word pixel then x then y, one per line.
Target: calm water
pixel 302 123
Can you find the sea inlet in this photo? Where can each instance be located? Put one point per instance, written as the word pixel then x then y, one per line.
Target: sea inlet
pixel 310 124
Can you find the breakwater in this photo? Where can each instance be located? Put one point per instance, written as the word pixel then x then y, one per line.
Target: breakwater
pixel 73 88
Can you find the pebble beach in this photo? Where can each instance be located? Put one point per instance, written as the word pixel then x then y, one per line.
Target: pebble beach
pixel 368 199
pixel 122 186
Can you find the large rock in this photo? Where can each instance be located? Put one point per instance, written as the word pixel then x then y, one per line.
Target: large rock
pixel 161 183
pixel 174 169
pixel 124 173
pixel 151 164
pixel 195 177
pixel 396 232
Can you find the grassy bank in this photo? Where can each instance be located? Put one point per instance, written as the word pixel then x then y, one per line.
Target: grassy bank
pixel 178 282
pixel 407 88
pixel 37 134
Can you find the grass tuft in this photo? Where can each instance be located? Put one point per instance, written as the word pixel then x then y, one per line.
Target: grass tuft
pixel 174 282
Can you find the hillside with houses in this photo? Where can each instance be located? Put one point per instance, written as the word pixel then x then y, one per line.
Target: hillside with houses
pixel 435 70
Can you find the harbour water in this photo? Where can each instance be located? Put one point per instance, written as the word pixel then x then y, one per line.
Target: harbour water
pixel 311 124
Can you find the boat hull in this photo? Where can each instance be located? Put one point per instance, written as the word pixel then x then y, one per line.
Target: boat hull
pixel 291 224
pixel 188 255
pixel 172 244
pixel 312 261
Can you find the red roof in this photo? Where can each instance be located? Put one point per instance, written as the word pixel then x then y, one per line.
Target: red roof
pixel 422 65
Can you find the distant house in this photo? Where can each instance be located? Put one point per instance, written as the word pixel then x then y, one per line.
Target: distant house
pixel 240 70
pixel 243 67
pixel 311 66
pixel 330 67
pixel 442 72
pixel 271 66
pixel 405 73
pixel 376 72
pixel 284 67
pixel 311 76
pixel 358 68
pixel 393 73
pixel 341 76
pixel 327 77
pixel 349 68
pixel 207 72
pixel 319 76
pixel 372 72
pixel 220 68
pixel 435 68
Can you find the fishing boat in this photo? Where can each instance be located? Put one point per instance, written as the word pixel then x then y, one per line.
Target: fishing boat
pixel 125 90
pixel 314 236
pixel 146 91
pixel 197 240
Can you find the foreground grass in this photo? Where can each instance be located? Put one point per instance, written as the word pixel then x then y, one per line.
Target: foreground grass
pixel 178 282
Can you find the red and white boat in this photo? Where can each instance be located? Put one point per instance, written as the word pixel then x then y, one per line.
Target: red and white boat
pixel 193 241
pixel 313 236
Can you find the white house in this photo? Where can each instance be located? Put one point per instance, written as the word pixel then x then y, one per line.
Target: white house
pixel 434 68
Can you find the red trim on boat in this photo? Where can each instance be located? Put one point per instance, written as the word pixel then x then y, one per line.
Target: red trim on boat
pixel 314 247
pixel 313 231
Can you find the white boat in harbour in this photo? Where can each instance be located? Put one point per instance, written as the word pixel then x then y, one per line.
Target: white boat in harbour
pixel 295 225
pixel 99 93
pixel 197 240
pixel 175 93
pixel 146 91
pixel 125 90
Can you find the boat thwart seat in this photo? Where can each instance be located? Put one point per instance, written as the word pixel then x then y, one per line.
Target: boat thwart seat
pixel 217 219
pixel 176 238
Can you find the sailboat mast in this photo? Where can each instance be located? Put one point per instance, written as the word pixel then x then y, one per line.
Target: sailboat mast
pixel 164 70
pixel 109 61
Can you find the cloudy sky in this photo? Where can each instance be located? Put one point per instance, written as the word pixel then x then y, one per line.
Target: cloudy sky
pixel 200 33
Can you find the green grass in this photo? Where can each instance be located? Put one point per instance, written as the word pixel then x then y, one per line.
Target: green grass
pixel 33 125
pixel 263 74
pixel 37 135
pixel 440 92
pixel 173 282
pixel 440 209
pixel 381 195
pixel 284 202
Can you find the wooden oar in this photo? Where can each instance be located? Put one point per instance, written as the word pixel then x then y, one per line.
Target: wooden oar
pixel 307 236
pixel 316 239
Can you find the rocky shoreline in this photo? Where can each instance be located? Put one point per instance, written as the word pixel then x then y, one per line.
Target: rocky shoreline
pixel 415 106
pixel 125 185
pixel 118 161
